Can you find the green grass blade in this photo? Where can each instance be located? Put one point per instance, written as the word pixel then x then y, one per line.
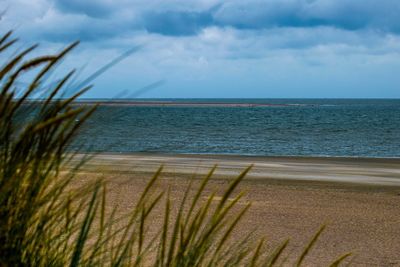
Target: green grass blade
pixel 309 246
pixel 338 261
pixel 83 235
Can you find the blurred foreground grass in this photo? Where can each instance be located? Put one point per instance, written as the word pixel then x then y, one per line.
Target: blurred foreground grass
pixel 45 221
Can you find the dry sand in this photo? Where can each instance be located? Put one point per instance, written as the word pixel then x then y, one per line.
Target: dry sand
pixel 358 199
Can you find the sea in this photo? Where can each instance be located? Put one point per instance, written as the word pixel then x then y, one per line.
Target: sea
pixel 259 127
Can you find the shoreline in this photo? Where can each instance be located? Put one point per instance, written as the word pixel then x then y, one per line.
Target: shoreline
pixel 381 172
pixel 248 156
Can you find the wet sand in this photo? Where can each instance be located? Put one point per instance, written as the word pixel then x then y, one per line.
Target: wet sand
pixel 358 199
pixel 359 171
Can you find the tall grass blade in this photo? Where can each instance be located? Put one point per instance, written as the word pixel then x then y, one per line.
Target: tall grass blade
pixel 342 258
pixel 310 245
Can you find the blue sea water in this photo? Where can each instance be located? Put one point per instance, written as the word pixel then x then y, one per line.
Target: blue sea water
pixel 300 127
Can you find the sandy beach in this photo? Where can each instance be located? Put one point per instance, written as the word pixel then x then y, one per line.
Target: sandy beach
pixel 358 199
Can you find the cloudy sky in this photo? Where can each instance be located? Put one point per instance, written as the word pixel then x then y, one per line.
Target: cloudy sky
pixel 213 48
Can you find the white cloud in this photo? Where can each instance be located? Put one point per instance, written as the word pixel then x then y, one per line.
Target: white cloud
pixel 223 53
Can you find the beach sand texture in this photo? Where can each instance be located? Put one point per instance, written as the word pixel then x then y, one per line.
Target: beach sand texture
pixel 358 199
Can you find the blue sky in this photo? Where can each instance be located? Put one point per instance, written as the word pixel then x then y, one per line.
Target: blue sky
pixel 213 48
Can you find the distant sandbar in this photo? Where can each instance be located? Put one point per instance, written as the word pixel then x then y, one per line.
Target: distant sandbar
pixel 180 104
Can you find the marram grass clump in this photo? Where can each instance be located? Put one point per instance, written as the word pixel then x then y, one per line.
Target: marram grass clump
pixel 44 222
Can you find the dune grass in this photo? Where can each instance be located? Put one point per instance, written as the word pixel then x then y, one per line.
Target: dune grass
pixel 44 222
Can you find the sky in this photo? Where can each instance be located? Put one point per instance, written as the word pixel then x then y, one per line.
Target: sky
pixel 220 49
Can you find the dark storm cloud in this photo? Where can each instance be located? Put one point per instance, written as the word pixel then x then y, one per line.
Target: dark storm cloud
pixel 177 23
pixel 171 19
pixel 256 15
pixel 91 8
pixel 347 15
pixel 96 20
